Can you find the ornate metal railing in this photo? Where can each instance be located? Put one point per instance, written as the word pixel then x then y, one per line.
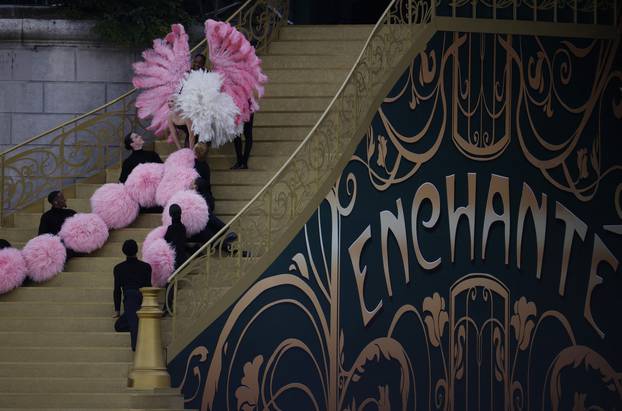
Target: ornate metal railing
pixel 86 145
pixel 268 222
pixel 603 12
pixel 264 226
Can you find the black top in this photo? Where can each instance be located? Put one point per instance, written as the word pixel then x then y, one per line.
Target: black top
pixel 131 274
pixel 53 219
pixel 205 190
pixel 184 128
pixel 137 157
pixel 176 236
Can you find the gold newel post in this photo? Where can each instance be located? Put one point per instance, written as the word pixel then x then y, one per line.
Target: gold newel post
pixel 149 369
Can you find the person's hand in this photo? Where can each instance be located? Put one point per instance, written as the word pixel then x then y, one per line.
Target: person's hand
pixel 116 314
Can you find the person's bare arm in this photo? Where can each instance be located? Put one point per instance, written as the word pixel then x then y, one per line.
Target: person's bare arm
pixel 192 138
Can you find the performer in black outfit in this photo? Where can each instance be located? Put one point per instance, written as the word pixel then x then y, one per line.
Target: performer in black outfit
pixel 176 235
pixel 129 277
pixel 135 142
pixel 53 219
pixel 202 168
pixel 242 159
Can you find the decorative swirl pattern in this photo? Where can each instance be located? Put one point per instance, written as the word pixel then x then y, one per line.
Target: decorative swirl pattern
pixel 76 151
pixel 263 226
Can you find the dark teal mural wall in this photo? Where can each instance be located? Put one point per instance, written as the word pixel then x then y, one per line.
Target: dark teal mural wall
pixel 466 258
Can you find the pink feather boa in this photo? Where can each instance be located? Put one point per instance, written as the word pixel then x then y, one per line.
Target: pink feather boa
pixel 45 257
pixel 161 257
pixel 114 205
pixel 12 269
pixel 183 158
pixel 143 182
pixel 175 180
pixel 84 233
pixel 194 211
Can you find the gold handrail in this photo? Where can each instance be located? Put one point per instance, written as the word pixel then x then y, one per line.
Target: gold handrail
pixel 201 280
pixel 60 156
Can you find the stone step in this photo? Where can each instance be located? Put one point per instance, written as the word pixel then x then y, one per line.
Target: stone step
pixel 64 339
pixel 86 400
pixel 325 32
pixel 79 279
pixel 28 385
pixel 328 47
pixel 344 62
pixel 65 324
pixel 305 76
pixel 301 90
pixel 110 249
pixel 66 354
pixel 67 370
pixel 60 294
pixel 228 178
pixel 26 220
pixel 268 133
pixel 25 308
pixel 276 104
pixel 102 265
pixel 286 118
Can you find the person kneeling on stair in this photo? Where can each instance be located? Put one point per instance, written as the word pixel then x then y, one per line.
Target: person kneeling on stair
pixel 129 277
pixel 53 219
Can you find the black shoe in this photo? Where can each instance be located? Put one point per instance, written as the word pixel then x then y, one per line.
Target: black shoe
pixel 243 166
pixel 237 166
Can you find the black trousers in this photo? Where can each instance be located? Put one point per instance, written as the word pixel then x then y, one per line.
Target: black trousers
pixel 128 322
pixel 242 158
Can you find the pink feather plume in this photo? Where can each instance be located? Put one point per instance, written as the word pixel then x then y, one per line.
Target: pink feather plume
pixel 232 55
pixel 159 76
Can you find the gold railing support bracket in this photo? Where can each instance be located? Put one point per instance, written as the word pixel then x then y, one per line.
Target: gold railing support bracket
pixel 149 371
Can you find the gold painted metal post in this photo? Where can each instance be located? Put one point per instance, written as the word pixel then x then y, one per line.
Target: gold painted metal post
pixel 149 369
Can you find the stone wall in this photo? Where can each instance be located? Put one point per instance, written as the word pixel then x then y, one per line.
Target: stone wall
pixel 53 70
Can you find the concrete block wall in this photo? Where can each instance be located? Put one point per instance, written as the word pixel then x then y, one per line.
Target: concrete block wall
pixel 52 71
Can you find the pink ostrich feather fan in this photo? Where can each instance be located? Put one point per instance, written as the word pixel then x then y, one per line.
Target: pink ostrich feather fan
pixel 233 56
pixel 143 182
pixel 84 232
pixel 161 257
pixel 45 257
pixel 12 269
pixel 159 76
pixel 114 205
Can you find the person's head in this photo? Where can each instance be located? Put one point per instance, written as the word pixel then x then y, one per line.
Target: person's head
pixel 4 244
pixel 198 62
pixel 200 151
pixel 171 102
pixel 57 199
pixel 133 141
pixel 175 212
pixel 130 248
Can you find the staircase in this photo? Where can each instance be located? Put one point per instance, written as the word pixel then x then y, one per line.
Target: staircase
pixel 58 350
